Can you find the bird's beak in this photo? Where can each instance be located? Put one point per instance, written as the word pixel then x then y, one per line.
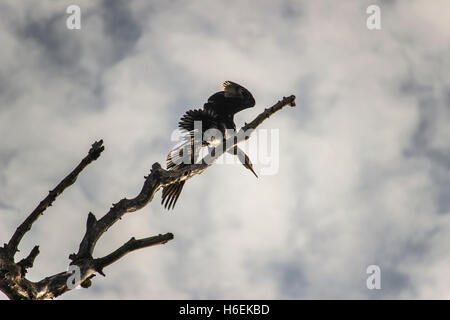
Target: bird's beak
pixel 250 167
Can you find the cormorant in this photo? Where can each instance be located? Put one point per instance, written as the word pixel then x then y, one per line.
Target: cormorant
pixel 217 113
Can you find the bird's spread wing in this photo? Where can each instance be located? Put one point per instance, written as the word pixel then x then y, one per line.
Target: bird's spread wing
pixel 216 113
pixel 207 118
pixel 231 100
pixel 185 154
pixel 231 89
pixel 193 123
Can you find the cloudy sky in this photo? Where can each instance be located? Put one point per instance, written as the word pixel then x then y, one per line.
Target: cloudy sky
pixel 363 159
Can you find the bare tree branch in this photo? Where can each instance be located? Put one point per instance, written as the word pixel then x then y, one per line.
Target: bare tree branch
pixel 29 260
pixel 93 154
pixel 128 247
pixel 286 101
pixel 12 275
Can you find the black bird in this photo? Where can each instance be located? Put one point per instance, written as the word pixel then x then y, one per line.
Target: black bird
pixel 218 113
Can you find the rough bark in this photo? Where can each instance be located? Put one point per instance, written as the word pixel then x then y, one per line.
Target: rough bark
pixel 13 281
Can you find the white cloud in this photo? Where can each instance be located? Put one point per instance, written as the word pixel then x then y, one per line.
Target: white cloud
pixel 357 183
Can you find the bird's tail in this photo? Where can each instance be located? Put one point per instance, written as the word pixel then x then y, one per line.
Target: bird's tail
pixel 178 158
pixel 188 152
pixel 171 193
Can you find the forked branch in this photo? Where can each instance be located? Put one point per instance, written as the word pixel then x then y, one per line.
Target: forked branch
pixel 12 275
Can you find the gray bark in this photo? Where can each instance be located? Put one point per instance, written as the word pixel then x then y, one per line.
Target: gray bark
pixel 13 281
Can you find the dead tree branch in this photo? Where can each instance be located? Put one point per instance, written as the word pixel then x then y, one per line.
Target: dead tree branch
pixel 93 154
pixel 12 275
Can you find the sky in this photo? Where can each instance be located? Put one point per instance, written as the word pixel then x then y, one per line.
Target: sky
pixel 362 163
